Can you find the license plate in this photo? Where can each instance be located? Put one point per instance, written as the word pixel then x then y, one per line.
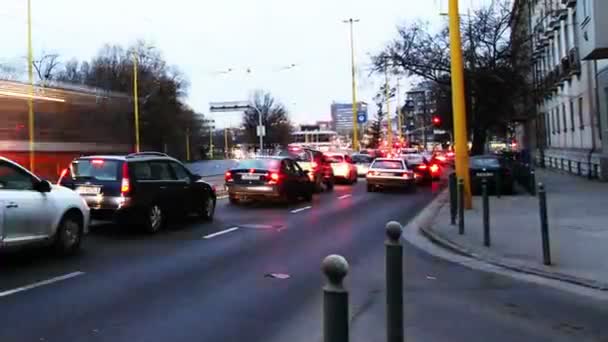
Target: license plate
pixel 250 177
pixel 88 190
pixel 484 174
pixel 385 174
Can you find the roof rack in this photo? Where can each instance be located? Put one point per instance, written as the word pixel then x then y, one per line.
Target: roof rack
pixel 142 154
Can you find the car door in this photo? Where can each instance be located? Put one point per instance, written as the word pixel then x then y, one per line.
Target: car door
pixel 304 183
pixel 26 211
pixel 185 190
pixel 169 192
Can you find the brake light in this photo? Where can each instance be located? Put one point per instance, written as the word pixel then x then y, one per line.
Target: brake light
pixel 64 172
pixel 450 154
pixel 441 158
pixel 434 168
pixel 97 162
pixel 422 167
pixel 372 173
pixel 406 175
pixel 273 178
pixel 228 176
pixel 125 184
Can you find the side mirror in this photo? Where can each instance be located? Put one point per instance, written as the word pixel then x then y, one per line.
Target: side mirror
pixel 43 186
pixel 306 172
pixel 196 177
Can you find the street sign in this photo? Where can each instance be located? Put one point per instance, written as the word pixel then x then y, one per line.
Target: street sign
pixel 228 106
pixel 261 131
pixel 362 117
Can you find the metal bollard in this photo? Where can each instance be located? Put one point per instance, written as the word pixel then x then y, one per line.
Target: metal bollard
pixel 486 213
pixel 394 283
pixel 335 300
pixel 461 206
pixel 544 224
pixel 453 198
pixel 532 182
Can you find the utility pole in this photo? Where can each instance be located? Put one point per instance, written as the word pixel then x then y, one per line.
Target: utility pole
pixel 424 118
pixel 399 118
pixel 459 108
pixel 211 142
pixel 351 21
pixel 226 143
pixel 387 95
pixel 188 144
pixel 30 74
pixel 135 102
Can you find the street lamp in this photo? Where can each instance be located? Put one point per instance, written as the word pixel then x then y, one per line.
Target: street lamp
pixel 351 21
pixel 135 103
pixel 30 74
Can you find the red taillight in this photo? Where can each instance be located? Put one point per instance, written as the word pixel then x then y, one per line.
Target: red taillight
pixel 273 177
pixel 64 172
pixel 125 185
pixel 422 167
pixel 406 175
pixel 434 168
pixel 441 158
pixel 97 161
pixel 450 154
pixel 228 176
pixel 372 173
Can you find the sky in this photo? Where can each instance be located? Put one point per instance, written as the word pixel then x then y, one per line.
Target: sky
pixel 205 38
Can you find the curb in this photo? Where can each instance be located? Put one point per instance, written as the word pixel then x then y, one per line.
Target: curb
pixel 425 228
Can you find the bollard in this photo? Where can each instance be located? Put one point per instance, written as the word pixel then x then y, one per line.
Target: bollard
pixel 335 300
pixel 498 186
pixel 532 182
pixel 460 206
pixel 394 283
pixel 486 213
pixel 544 224
pixel 453 198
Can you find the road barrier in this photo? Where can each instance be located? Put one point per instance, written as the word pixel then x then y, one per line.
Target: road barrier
pixel 335 300
pixel 453 197
pixel 461 206
pixel 544 224
pixel 486 213
pixel 394 282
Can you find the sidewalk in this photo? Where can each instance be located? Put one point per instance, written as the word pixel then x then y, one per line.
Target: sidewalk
pixel 578 229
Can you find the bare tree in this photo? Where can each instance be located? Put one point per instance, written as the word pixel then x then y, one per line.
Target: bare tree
pixel 46 67
pixel 9 72
pixel 274 117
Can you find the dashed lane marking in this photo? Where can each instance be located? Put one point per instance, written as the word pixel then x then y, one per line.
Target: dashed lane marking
pixel 295 211
pixel 41 283
pixel 345 196
pixel 222 232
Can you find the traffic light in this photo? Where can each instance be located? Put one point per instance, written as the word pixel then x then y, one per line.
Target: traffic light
pixel 436 121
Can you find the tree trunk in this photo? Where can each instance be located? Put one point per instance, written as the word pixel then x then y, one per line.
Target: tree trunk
pixel 479 141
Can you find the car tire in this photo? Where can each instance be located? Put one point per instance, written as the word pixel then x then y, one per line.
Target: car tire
pixel 68 238
pixel 154 220
pixel 329 185
pixel 308 195
pixel 207 209
pixel 233 200
pixel 318 186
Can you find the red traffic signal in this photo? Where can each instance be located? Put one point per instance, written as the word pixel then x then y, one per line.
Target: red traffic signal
pixel 436 121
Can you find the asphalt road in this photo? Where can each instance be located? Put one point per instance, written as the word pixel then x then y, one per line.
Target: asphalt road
pixel 208 282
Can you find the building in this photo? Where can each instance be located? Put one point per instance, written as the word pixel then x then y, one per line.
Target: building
pixel 567 47
pixel 421 106
pixel 342 116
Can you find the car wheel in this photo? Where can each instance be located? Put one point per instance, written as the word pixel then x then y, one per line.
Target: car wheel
pixel 329 184
pixel 208 209
pixel 233 200
pixel 154 219
pixel 69 234
pixel 308 194
pixel 318 186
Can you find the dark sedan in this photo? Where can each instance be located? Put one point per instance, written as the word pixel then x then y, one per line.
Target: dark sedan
pixel 494 170
pixel 268 178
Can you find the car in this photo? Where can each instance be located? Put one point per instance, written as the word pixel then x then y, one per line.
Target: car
pixel 268 178
pixel 319 169
pixel 342 166
pixel 492 168
pixel 362 162
pixel 390 173
pixel 426 170
pixel 38 213
pixel 145 189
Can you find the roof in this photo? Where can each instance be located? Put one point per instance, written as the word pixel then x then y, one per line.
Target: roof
pixel 389 159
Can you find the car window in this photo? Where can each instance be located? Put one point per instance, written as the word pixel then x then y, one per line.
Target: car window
pixel 263 164
pixel 180 172
pixel 362 159
pixel 141 170
pixel 161 170
pixel 388 165
pixel 485 162
pixel 13 178
pixel 289 167
pixel 298 168
pixel 97 169
pixel 335 158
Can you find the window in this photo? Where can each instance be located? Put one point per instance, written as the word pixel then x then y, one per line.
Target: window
pixel 553 121
pixel 262 164
pixel 484 162
pixel 572 115
pixel 97 169
pixel 160 170
pixel 558 127
pixel 13 178
pixel 335 158
pixel 388 165
pixel 580 113
pixel 180 172
pixel 141 171
pixel 564 116
pixel 290 167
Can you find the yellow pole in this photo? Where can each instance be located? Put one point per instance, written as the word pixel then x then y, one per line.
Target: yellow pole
pixel 226 142
pixel 135 102
pixel 399 118
pixel 459 108
pixel 354 85
pixel 211 142
pixel 187 144
pixel 30 74
pixel 387 94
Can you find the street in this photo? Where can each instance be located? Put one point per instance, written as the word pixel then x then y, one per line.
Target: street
pixel 211 282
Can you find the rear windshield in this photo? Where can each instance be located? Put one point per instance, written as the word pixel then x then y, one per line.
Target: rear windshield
pixel 298 155
pixel 388 165
pixel 263 164
pixel 485 162
pixel 362 159
pixel 335 159
pixel 96 169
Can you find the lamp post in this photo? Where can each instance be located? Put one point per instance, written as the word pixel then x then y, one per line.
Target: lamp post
pixel 351 21
pixel 135 102
pixel 30 74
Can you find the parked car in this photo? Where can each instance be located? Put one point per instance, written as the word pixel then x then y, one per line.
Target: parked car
pixel 319 169
pixel 362 162
pixel 492 168
pixel 390 173
pixel 342 166
pixel 268 178
pixel 142 188
pixel 38 213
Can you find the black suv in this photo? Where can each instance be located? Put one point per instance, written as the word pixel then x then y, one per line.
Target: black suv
pixel 142 188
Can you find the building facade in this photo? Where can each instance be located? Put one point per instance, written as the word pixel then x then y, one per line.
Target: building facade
pixel 421 107
pixel 566 43
pixel 342 116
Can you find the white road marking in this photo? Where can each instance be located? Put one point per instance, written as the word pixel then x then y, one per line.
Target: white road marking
pixel 222 197
pixel 345 196
pixel 41 283
pixel 295 211
pixel 225 231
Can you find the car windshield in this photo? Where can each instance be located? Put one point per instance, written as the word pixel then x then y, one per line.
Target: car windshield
pixel 262 164
pixel 362 159
pixel 484 163
pixel 98 169
pixel 334 158
pixel 388 165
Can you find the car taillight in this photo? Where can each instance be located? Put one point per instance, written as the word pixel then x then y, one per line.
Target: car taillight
pixel 97 161
pixel 372 173
pixel 125 185
pixel 228 176
pixel 434 168
pixel 450 154
pixel 406 175
pixel 64 172
pixel 273 177
pixel 422 167
pixel 441 158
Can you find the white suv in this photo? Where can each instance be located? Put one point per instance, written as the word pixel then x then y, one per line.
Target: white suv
pixel 32 211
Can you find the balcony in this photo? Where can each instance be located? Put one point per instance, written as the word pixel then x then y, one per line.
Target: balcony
pixel 574 61
pixel 569 3
pixel 565 68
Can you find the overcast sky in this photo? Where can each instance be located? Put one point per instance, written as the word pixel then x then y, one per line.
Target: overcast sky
pixel 204 37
